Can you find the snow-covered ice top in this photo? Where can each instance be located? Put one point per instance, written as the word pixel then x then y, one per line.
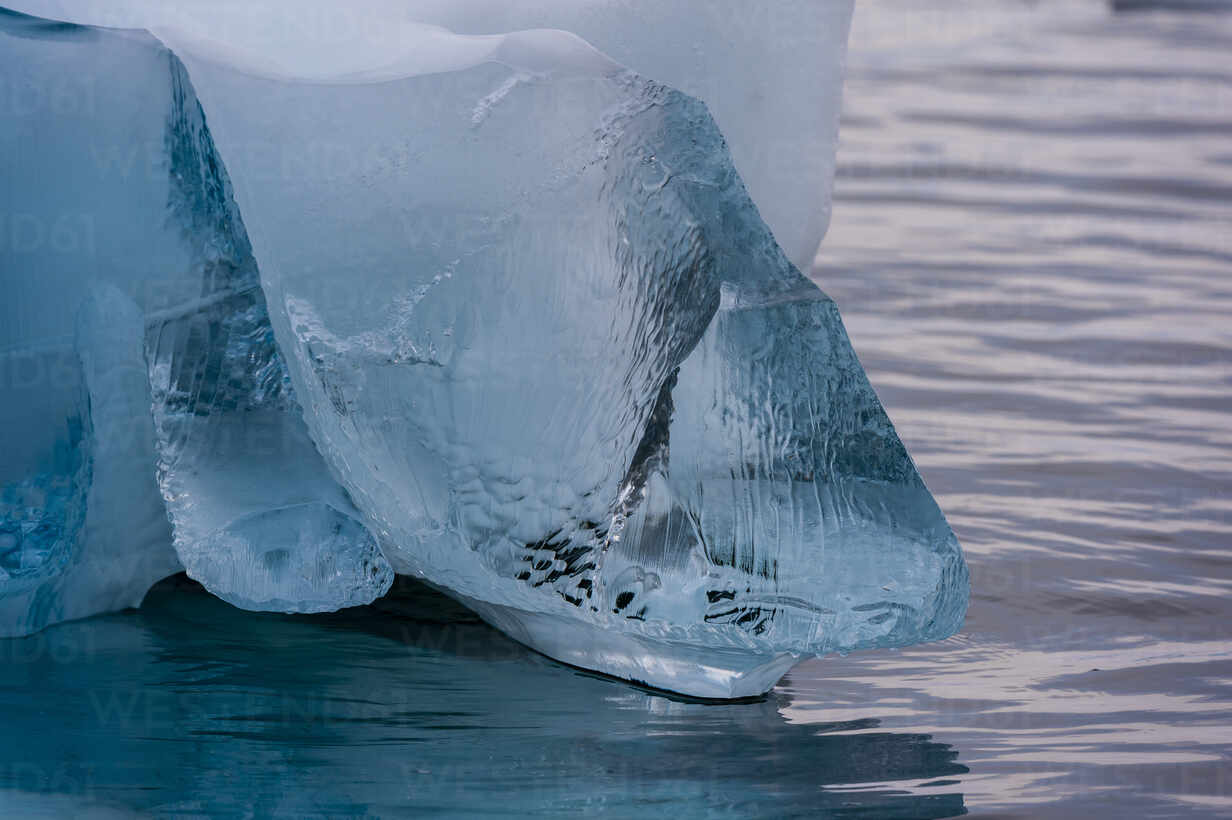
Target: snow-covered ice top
pixel 771 76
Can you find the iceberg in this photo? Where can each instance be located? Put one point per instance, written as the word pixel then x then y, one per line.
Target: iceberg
pixel 519 314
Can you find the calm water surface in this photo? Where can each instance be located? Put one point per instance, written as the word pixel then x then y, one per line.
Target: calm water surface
pixel 1032 248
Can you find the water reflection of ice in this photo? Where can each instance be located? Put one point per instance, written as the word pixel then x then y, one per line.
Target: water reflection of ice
pixel 411 705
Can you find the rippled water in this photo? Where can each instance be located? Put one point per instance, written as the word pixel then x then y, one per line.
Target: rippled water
pixel 1032 248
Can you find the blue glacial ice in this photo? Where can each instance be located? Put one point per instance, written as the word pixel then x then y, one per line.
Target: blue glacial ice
pixel 258 518
pixel 141 379
pixel 515 313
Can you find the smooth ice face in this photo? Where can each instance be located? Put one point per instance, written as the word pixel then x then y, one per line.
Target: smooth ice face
pixel 129 287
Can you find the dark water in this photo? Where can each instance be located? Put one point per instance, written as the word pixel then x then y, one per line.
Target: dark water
pixel 189 707
pixel 1032 248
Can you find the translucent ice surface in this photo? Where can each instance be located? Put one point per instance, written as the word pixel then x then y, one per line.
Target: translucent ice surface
pixel 581 386
pixel 258 519
pixel 495 267
pixel 130 289
pixel 82 525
